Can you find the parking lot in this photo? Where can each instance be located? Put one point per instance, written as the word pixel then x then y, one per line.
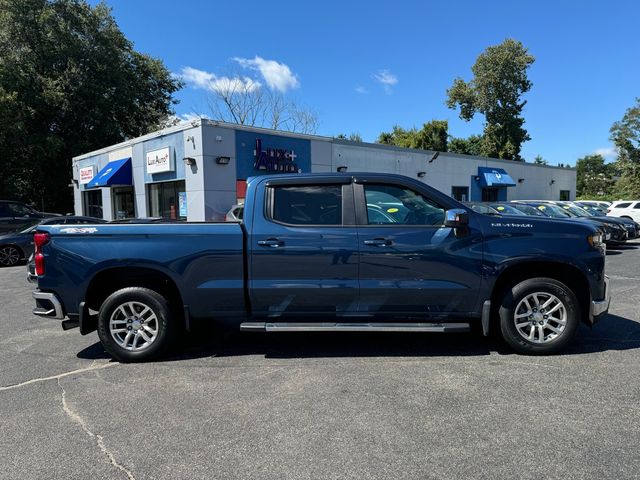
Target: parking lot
pixel 321 406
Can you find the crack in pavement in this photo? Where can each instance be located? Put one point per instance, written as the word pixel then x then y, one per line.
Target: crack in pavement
pixel 98 438
pixel 58 377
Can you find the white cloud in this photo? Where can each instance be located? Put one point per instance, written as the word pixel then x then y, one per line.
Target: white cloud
pixel 607 152
pixel 277 76
pixel 386 78
pixel 210 81
pixel 361 90
pixel 189 117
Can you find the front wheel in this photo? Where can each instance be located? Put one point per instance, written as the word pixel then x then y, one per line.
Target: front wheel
pixel 9 256
pixel 135 324
pixel 539 316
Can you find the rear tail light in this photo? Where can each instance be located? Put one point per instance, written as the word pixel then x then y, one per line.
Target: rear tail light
pixel 40 239
pixel 608 210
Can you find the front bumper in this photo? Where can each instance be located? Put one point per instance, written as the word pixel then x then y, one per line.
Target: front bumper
pixel 601 307
pixel 47 305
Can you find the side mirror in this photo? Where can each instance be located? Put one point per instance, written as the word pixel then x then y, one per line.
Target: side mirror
pixel 456 217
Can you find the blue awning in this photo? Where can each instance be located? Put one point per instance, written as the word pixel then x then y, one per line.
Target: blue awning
pixel 114 173
pixel 494 177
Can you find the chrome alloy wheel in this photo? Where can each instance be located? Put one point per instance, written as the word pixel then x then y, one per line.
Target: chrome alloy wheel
pixel 134 326
pixel 9 256
pixel 540 317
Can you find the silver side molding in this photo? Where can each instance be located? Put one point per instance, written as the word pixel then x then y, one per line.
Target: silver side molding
pixel 353 327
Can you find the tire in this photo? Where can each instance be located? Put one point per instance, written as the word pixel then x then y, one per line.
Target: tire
pixel 9 256
pixel 529 328
pixel 135 324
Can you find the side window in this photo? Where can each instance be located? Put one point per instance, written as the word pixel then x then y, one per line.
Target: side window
pixel 391 205
pixel 637 206
pixel 623 205
pixel 307 205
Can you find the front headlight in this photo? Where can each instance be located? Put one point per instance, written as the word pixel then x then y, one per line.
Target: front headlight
pixel 596 241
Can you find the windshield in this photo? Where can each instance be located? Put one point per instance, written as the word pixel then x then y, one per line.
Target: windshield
pixel 529 210
pixel 506 209
pixel 553 211
pixel 577 211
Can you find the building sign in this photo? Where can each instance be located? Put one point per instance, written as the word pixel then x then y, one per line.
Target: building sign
pixel 262 154
pixel 159 161
pixel 277 160
pixel 86 174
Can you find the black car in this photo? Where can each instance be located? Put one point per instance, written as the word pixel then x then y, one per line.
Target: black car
pixel 16 216
pixel 16 246
pixel 62 220
pixel 614 234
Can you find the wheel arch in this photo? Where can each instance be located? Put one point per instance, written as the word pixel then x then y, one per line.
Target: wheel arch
pixel 568 274
pixel 110 280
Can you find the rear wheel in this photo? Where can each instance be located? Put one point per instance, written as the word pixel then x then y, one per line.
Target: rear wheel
pixel 135 324
pixel 539 316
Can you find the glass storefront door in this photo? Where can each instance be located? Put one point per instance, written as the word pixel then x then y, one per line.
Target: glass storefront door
pixel 123 203
pixel 92 203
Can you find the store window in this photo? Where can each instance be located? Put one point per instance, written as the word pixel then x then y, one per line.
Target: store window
pixel 460 193
pixel 92 203
pixel 123 204
pixel 565 195
pixel 167 200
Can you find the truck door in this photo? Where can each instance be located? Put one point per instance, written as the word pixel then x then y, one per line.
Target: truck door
pixel 303 249
pixel 409 262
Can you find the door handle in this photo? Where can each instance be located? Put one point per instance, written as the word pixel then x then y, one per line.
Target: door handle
pixel 271 242
pixel 378 242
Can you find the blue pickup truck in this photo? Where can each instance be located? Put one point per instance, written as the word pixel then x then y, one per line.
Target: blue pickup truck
pixel 332 252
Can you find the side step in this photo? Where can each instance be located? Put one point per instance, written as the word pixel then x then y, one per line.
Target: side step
pixel 354 327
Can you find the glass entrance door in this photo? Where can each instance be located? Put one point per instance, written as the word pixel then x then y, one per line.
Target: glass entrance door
pixel 123 204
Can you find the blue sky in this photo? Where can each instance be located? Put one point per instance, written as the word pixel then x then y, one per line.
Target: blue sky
pixel 365 66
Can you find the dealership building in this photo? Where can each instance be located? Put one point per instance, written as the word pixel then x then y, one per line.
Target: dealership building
pixel 197 170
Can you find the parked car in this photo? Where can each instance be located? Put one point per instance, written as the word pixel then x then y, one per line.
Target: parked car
pixel 309 259
pixel 61 220
pixel 235 213
pixel 16 246
pixel 16 216
pixel 631 227
pixel 613 233
pixel 625 209
pixel 600 207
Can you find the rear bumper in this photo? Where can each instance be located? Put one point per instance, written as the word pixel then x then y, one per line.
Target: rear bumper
pixel 600 307
pixel 47 305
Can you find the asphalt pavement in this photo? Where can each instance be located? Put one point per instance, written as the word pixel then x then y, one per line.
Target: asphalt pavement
pixel 321 406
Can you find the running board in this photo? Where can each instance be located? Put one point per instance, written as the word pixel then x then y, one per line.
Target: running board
pixel 354 327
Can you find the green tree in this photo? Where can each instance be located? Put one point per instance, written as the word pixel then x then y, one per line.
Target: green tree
pixel 593 177
pixel 538 160
pixel 354 137
pixel 432 136
pixel 625 134
pixel 499 82
pixel 70 82
pixel 468 146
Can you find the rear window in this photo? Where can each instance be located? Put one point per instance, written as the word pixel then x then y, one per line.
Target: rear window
pixel 307 205
pixel 622 205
